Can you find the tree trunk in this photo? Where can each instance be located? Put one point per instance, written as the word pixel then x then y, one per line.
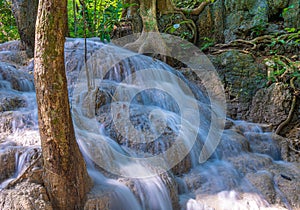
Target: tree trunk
pixel 25 12
pixel 65 176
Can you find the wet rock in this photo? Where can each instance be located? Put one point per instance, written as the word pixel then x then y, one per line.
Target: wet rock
pixel 98 201
pixel 232 144
pixel 286 179
pixel 243 126
pixel 18 58
pixel 263 143
pixel 7 161
pixel 271 105
pixel 212 178
pixel 231 200
pixel 263 182
pixel 250 162
pixel 143 140
pixel 6 126
pixel 167 179
pixel 19 80
pixel 12 121
pixel 25 195
pixel 11 100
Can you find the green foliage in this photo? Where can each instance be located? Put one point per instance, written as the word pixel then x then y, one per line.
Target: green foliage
pixel 287 9
pixel 260 23
pixel 207 42
pixel 290 38
pixel 101 16
pixel 177 28
pixel 8 28
pixel 280 67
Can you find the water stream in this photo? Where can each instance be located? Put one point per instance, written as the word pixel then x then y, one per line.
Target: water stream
pixel 143 127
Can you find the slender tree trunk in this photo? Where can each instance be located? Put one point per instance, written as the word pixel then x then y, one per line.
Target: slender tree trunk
pixel 65 176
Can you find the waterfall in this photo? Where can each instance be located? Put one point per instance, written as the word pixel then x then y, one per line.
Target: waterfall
pixel 152 139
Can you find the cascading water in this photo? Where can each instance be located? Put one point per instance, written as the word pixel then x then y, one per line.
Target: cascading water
pixel 143 130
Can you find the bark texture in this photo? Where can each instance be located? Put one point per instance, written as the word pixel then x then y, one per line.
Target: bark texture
pixel 65 176
pixel 25 12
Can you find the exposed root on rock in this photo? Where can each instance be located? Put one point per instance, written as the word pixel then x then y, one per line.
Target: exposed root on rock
pixel 293 105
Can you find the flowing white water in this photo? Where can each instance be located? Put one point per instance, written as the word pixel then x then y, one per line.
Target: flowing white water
pixel 138 120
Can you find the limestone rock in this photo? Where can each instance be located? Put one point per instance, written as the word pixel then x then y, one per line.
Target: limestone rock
pixel 211 24
pixel 11 46
pixel 292 16
pixel 263 181
pixel 240 76
pixel 19 80
pixel 286 178
pixel 263 143
pixel 7 161
pixel 232 144
pixel 271 105
pixel 25 195
pixel 250 162
pixel 10 100
pixel 18 58
pixel 244 16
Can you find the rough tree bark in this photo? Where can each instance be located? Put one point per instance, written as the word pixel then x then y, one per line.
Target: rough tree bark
pixel 65 176
pixel 25 12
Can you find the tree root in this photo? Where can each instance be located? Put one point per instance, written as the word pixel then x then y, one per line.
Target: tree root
pixel 195 11
pixel 291 142
pixel 148 43
pixel 191 25
pixel 288 119
pixel 230 49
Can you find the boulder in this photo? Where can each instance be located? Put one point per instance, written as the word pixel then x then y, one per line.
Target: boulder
pixel 271 105
pixel 11 100
pixel 241 77
pixel 263 143
pixel 19 80
pixel 250 162
pixel 232 144
pixel 18 58
pixel 243 17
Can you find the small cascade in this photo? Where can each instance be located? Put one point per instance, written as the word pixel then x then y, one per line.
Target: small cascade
pixel 24 156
